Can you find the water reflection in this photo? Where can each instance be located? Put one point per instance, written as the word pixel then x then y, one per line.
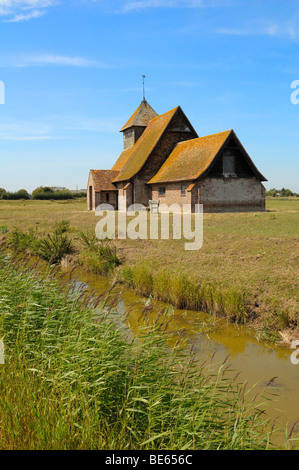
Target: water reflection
pixel 255 362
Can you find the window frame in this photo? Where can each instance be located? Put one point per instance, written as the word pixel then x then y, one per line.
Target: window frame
pixel 183 191
pixel 160 192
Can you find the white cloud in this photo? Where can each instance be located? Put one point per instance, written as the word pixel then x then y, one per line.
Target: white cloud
pixel 59 60
pixel 16 8
pixel 25 4
pixel 143 4
pixel 288 29
pixel 26 16
pixel 58 127
pixel 139 5
pixel 24 10
pixel 24 131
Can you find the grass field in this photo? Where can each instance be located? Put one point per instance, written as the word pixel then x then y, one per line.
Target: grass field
pixel 254 253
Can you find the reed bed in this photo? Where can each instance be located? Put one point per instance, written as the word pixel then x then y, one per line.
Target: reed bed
pixel 74 380
pixel 183 292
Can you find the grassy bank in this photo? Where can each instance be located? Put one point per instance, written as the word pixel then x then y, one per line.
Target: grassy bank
pixel 247 269
pixel 184 292
pixel 99 257
pixel 73 380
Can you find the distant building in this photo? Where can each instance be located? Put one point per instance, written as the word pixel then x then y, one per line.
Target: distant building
pixel 165 160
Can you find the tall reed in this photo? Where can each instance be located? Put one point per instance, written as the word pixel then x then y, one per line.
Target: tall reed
pixel 74 380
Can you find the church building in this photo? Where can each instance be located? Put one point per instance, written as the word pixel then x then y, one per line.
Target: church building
pixel 164 160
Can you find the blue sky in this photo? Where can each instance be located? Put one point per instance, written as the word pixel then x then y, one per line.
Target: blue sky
pixel 72 73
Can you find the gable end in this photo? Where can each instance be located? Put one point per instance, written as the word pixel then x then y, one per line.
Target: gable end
pixel 242 165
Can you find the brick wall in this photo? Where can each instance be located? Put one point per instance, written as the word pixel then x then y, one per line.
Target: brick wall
pixel 142 191
pixel 231 194
pixel 101 198
pixel 97 200
pixel 216 194
pixel 173 194
pixel 125 196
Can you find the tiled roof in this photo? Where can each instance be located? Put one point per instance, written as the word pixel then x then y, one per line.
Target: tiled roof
pixel 103 179
pixel 122 159
pixel 143 114
pixel 145 145
pixel 190 159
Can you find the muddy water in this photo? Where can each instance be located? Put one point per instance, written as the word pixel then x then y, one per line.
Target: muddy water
pixel 256 362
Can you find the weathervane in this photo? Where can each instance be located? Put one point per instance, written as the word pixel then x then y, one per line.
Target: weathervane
pixel 143 77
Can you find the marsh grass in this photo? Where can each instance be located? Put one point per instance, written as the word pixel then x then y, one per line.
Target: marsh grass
pixel 143 279
pixel 74 380
pixel 62 227
pixel 98 256
pixel 21 241
pixel 184 292
pixel 51 248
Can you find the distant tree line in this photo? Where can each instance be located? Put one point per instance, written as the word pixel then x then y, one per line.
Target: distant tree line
pixel 21 194
pixel 57 193
pixel 42 192
pixel 281 193
pixel 46 192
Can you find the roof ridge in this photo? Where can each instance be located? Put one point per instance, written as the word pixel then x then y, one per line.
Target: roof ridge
pixel 205 136
pixel 167 112
pixel 106 169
